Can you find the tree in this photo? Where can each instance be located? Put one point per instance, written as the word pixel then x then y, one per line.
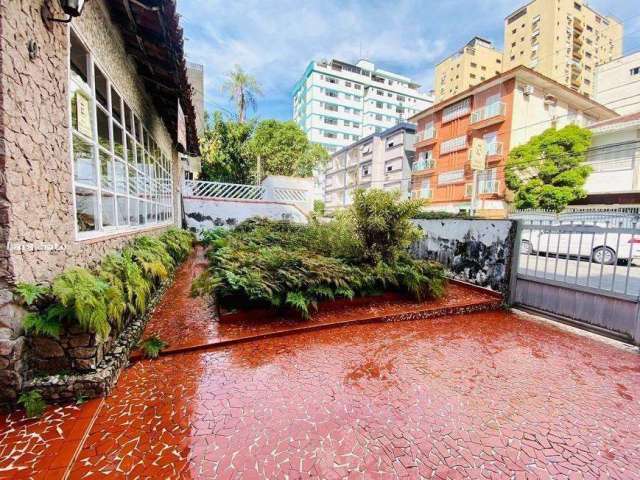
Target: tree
pixel 243 89
pixel 283 149
pixel 549 171
pixel 223 149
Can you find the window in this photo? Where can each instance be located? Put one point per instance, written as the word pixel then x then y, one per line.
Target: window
pixel 332 80
pixel 456 110
pixel 453 144
pixel 330 121
pixel 331 107
pixel 635 71
pixel 454 176
pixel 121 177
pixel 331 93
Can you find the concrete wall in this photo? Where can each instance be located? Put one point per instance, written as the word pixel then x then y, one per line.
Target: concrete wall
pixel 205 213
pixel 474 251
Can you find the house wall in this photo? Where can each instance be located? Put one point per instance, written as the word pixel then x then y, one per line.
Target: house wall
pixel 617 84
pixel 36 210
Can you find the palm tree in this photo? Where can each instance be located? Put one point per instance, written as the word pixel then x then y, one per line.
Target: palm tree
pixel 242 89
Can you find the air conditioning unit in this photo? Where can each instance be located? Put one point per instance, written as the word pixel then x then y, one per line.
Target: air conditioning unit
pixel 550 99
pixel 528 90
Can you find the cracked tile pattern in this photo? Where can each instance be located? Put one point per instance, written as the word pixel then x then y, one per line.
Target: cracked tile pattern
pixel 485 395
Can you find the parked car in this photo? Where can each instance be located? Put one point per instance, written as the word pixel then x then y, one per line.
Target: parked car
pixel 596 243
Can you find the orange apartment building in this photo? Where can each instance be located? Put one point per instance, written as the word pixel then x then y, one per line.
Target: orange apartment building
pixel 505 111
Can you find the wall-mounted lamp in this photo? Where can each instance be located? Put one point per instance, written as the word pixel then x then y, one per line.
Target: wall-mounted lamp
pixel 73 8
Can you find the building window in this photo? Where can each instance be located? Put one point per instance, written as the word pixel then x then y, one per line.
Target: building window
pixel 456 110
pixel 635 71
pixel 331 80
pixel 453 145
pixel 454 176
pixel 122 179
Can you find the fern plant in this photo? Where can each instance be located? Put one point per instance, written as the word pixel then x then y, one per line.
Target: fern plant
pixel 84 295
pixel 32 402
pixel 48 323
pixel 152 346
pixel 30 293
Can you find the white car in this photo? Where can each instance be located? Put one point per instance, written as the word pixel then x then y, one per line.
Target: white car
pixel 587 241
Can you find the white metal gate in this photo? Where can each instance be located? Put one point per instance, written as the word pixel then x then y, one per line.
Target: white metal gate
pixel 581 268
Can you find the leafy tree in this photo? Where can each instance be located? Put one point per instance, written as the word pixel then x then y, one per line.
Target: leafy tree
pixel 243 90
pixel 549 171
pixel 223 149
pixel 283 149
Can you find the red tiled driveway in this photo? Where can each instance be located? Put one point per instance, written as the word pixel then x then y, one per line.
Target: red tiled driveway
pixel 486 395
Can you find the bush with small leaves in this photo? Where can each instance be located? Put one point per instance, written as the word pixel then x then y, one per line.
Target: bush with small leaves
pixel 32 402
pixel 152 346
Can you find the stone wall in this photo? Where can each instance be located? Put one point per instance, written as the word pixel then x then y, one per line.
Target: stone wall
pixel 474 251
pixel 36 197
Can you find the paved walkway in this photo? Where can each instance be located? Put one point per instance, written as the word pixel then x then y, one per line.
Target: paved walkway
pixel 483 395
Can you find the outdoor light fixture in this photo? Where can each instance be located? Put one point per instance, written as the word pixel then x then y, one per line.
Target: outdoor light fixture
pixel 73 8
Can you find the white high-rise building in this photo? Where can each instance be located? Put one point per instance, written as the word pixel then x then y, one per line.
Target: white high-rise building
pixel 338 103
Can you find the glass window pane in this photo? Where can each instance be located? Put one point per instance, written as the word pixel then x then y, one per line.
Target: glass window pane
pixel 101 88
pixel 118 145
pixel 127 119
pixel 133 179
pixel 151 213
pixel 116 105
pixel 84 164
pixel 142 212
pixel 81 118
pixel 106 171
pixel 138 129
pixel 130 150
pixel 103 129
pixel 121 177
pixel 108 210
pixel 133 211
pixel 86 209
pixel 79 62
pixel 123 214
pixel 139 156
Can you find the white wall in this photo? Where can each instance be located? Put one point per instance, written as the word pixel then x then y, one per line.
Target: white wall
pixel 202 214
pixel 615 86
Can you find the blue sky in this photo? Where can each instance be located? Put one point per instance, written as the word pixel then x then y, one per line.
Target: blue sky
pixel 275 39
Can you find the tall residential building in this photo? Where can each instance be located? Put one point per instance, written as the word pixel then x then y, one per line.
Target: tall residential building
pixel 499 114
pixel 380 160
pixel 477 61
pixel 337 103
pixel 563 39
pixel 617 84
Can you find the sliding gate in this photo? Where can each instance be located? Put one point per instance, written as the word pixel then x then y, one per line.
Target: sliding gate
pixel 585 271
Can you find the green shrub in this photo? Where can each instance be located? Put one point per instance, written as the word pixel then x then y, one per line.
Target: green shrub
pixel 441 215
pixel 178 243
pixel 30 293
pixel 213 235
pixel 152 346
pixel 32 402
pixel 362 251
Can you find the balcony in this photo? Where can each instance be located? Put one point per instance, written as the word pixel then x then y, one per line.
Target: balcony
pixel 425 193
pixel 494 149
pixel 488 187
pixel 577 25
pixel 420 165
pixel 577 40
pixel 488 115
pixel 426 136
pixel 577 54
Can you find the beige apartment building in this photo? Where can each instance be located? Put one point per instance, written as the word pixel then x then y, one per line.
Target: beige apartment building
pixel 562 39
pixel 477 61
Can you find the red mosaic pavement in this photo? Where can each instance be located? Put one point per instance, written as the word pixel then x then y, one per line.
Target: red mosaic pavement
pixel 485 395
pixel 185 322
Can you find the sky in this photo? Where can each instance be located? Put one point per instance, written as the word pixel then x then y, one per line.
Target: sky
pixel 274 40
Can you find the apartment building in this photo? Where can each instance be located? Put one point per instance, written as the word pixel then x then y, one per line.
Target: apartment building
pixel 477 61
pixel 380 160
pixel 338 103
pixel 614 157
pixel 564 40
pixel 498 114
pixel 617 84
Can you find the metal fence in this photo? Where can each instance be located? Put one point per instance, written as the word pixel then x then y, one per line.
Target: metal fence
pixel 594 254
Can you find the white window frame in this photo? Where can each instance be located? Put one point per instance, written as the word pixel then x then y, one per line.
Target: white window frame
pixel 160 196
pixel 457 110
pixel 453 144
pixel 451 177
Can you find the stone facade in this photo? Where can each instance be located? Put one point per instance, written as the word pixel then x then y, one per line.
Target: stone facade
pixel 36 189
